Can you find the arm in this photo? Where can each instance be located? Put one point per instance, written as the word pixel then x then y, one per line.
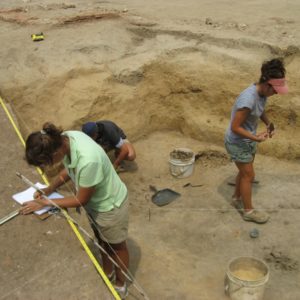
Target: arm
pixel 62 178
pixel 82 197
pixel 236 126
pixel 270 126
pixel 265 119
pixel 122 155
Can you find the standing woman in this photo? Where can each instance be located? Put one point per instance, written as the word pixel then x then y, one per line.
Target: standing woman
pixel 99 189
pixel 241 137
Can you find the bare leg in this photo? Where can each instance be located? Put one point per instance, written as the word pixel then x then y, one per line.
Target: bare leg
pixel 237 192
pixel 131 152
pixel 121 256
pixel 246 172
pixel 131 155
pixel 118 252
pixel 107 264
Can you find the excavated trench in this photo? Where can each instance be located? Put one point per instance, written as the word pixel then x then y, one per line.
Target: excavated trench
pixel 183 92
pixel 165 87
pixel 146 79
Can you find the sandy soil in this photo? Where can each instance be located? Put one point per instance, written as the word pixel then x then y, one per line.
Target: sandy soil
pixel 102 60
pixel 38 259
pixel 190 241
pixel 168 73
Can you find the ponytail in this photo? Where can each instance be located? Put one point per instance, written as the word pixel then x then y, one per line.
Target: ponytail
pixel 41 145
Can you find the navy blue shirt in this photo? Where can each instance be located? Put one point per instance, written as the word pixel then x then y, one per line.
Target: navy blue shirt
pixel 109 135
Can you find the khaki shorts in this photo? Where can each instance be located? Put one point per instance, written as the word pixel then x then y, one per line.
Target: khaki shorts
pixel 111 226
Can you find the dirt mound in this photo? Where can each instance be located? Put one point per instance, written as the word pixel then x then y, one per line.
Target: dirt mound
pixel 212 158
pixel 180 154
pixel 54 14
pixel 281 261
pixel 17 15
pixel 87 17
pixel 184 98
pixel 146 79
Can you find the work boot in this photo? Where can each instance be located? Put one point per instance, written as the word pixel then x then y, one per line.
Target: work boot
pixel 256 216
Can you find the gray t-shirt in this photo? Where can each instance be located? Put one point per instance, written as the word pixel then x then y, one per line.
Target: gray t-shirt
pixel 249 98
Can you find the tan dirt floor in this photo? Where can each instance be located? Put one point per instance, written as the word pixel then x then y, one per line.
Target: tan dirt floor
pixel 167 72
pixel 190 241
pixel 38 259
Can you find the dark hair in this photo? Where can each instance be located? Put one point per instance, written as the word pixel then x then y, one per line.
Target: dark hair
pixel 272 69
pixel 41 145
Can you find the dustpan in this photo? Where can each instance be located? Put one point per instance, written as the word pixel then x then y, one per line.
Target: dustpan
pixel 164 196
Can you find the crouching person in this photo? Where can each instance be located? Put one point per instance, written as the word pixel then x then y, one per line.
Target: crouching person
pixel 111 137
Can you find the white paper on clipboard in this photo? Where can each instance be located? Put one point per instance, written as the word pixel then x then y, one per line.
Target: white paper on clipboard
pixel 27 195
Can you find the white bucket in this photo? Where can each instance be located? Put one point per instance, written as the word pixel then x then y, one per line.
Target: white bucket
pixel 246 278
pixel 182 168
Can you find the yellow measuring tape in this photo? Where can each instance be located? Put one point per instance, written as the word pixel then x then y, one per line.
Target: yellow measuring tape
pixel 77 233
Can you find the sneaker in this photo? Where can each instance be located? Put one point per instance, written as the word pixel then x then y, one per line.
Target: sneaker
pixel 256 216
pixel 122 290
pixel 120 169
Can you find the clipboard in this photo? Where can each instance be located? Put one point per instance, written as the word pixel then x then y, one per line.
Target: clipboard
pixel 27 195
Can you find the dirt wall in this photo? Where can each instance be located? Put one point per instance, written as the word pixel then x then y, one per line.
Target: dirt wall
pixel 145 77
